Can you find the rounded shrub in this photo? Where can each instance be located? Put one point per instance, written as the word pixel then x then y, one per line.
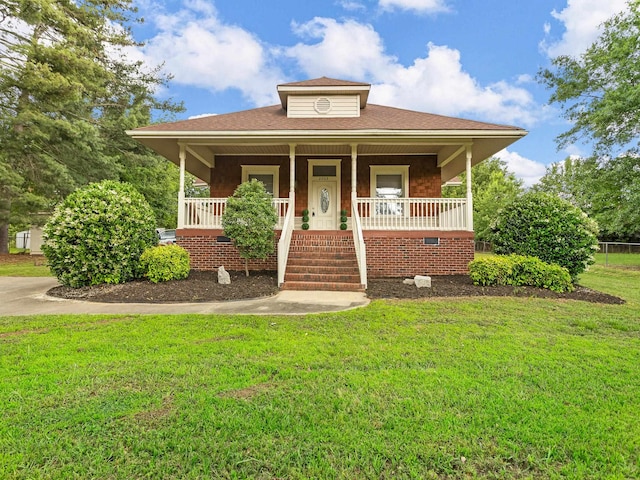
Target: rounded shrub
pixel 520 270
pixel 165 262
pixel 548 227
pixel 98 233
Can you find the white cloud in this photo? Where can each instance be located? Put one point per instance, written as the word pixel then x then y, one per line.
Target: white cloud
pixel 582 21
pixel 435 83
pixel 348 49
pixel 202 115
pixel 528 170
pixel 199 50
pixel 351 5
pixel 574 151
pixel 418 6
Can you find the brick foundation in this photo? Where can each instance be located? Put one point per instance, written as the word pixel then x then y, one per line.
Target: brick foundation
pixel 389 253
pixel 207 253
pixel 404 254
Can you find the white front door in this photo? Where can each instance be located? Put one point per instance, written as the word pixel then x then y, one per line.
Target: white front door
pixel 323 214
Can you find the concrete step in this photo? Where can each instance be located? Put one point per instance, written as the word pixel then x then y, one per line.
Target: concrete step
pixel 333 287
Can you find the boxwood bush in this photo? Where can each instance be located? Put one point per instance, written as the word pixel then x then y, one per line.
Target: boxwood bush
pixel 165 262
pixel 520 270
pixel 547 227
pixel 97 234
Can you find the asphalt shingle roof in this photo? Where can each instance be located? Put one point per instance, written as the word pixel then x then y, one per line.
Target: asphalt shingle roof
pixel 373 117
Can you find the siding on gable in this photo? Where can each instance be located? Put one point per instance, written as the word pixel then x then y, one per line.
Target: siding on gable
pixel 304 106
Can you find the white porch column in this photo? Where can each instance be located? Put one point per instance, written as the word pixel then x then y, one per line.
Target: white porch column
pixel 354 171
pixel 183 159
pixel 292 177
pixel 292 168
pixel 469 193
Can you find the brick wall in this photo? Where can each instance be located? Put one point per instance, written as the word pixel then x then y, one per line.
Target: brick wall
pixel 207 253
pixel 404 254
pixel 424 175
pixel 389 253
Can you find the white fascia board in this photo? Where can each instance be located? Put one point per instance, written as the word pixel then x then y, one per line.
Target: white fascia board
pixel 319 89
pixel 282 135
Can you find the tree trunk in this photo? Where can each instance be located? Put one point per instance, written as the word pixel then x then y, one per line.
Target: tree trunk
pixel 5 207
pixel 4 238
pixel 246 266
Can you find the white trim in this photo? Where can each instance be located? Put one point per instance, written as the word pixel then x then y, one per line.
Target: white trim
pixel 310 179
pixel 469 158
pixel 264 170
pixel 307 89
pixel 388 170
pixel 281 136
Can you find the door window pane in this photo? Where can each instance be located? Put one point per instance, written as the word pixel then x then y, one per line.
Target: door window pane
pixel 324 200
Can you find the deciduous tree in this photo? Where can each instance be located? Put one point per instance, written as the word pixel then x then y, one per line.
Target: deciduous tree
pixel 600 90
pixel 608 191
pixel 493 187
pixel 249 219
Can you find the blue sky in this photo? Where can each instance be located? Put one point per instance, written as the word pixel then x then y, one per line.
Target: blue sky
pixel 470 59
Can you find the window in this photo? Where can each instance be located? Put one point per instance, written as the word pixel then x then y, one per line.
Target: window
pixel 390 182
pixel 269 175
pixel 324 170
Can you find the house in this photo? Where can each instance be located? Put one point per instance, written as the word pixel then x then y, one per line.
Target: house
pixel 327 150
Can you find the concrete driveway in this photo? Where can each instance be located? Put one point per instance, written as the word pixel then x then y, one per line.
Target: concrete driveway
pixel 27 296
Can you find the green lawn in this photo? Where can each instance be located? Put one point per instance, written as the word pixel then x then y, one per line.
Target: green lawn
pixel 467 388
pixel 23 265
pixel 618 259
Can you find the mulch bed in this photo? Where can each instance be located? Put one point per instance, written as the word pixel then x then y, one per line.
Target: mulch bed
pixel 461 286
pixel 198 287
pixel 204 287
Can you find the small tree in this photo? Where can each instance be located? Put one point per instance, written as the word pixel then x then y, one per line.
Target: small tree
pixel 98 233
pixel 248 220
pixel 547 227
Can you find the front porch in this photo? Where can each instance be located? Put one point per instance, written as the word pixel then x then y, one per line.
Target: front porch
pixel 417 234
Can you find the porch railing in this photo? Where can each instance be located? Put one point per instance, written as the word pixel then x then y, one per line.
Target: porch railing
pixel 207 212
pixel 412 213
pixel 358 240
pixel 374 213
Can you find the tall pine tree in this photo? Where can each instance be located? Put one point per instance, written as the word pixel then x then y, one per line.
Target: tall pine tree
pixel 67 93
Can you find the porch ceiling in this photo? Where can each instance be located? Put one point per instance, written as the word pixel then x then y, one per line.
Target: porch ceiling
pixel 450 148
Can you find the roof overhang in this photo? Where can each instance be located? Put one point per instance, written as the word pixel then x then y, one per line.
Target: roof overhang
pixel 450 146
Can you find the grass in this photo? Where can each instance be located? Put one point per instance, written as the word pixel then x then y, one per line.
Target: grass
pixel 23 265
pixel 464 388
pixel 618 259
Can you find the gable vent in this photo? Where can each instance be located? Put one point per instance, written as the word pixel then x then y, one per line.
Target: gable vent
pixel 322 105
